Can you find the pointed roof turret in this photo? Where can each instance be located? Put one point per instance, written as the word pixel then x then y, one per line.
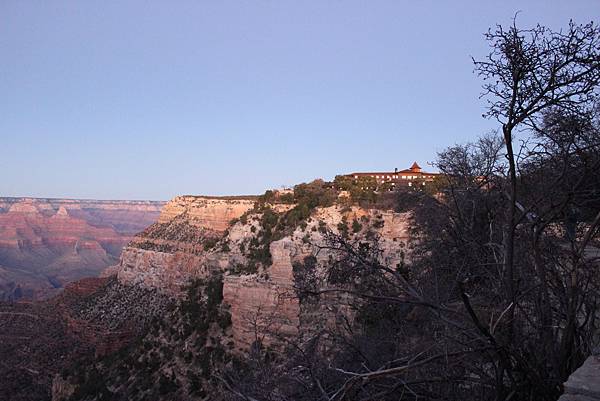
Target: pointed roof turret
pixel 415 167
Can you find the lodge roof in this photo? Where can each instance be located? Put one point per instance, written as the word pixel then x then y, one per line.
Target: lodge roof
pixel 415 169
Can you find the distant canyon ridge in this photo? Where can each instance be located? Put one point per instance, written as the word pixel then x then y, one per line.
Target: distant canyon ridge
pixel 47 243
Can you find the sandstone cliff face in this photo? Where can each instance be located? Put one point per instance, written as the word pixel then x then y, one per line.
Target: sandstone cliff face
pixel 209 212
pixel 194 237
pixel 266 306
pixel 177 247
pixel 154 269
pixel 47 243
pixel 263 308
pixel 258 253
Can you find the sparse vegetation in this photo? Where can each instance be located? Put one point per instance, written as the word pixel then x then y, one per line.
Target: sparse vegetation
pixel 150 367
pixel 356 226
pixel 362 190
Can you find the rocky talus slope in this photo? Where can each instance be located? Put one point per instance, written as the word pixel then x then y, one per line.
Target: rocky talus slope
pixel 172 359
pixel 90 318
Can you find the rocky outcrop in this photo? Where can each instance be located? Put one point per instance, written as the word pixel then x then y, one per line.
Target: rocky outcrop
pixel 584 383
pixel 47 243
pixel 62 390
pixel 168 272
pixel 265 306
pixel 197 236
pixel 214 213
pixel 179 246
pixel 262 309
pixel 257 260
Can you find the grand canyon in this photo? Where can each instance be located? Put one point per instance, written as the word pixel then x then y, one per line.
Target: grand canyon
pixel 48 243
pixel 194 294
pixel 195 239
pixel 299 201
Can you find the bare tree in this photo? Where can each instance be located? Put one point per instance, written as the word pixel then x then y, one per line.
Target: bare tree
pixel 499 299
pixel 528 72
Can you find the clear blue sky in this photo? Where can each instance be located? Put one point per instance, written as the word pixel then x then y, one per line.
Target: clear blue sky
pixel 150 99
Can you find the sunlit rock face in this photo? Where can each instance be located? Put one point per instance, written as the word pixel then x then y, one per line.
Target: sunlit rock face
pixel 214 213
pixel 263 308
pixel 198 236
pixel 47 243
pixel 167 254
pixel 164 270
pixel 266 306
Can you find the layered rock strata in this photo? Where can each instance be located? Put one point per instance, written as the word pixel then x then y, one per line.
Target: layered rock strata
pixel 267 303
pixel 214 213
pixel 47 243
pixel 196 236
pixel 180 245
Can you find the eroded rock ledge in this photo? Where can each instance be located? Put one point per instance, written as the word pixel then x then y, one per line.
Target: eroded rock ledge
pixel 198 236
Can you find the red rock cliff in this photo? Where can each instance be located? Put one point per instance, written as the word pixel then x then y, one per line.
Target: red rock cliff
pixel 47 243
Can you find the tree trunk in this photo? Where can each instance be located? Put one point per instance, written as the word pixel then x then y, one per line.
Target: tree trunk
pixel 509 235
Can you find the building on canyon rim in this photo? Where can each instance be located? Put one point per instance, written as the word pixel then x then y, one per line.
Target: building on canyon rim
pixel 403 178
